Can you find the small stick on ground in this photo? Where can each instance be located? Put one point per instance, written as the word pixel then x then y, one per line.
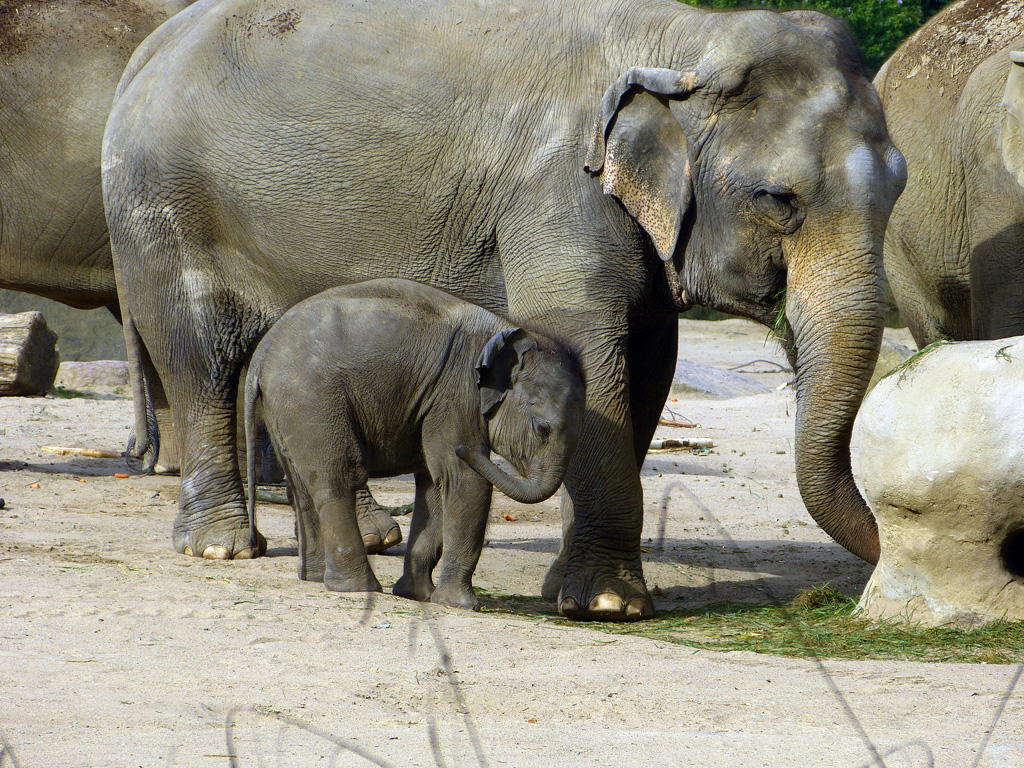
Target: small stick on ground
pixel 92 453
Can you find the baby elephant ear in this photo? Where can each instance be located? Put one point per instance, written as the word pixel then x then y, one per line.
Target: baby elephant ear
pixel 497 364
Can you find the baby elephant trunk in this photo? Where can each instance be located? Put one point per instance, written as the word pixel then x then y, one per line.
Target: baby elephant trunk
pixel 541 483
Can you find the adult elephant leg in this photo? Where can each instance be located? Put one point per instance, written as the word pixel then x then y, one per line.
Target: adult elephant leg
pixel 603 577
pixel 211 521
pixel 652 349
pixel 205 350
pixel 997 287
pixel 378 529
pixel 169 460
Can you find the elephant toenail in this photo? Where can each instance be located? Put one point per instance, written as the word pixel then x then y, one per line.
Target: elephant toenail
pixel 606 605
pixel 245 554
pixel 394 537
pixel 569 608
pixel 216 552
pixel 187 551
pixel 371 542
pixel 639 608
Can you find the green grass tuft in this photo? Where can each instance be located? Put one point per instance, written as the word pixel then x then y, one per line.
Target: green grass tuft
pixel 818 622
pixel 64 393
pixel 780 327
pixel 907 365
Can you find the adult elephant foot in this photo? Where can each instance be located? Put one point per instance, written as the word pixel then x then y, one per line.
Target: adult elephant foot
pixel 553 579
pixel 228 540
pixel 591 593
pixel 377 527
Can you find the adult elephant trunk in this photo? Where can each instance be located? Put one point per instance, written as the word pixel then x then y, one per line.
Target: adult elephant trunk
pixel 836 317
pixel 541 482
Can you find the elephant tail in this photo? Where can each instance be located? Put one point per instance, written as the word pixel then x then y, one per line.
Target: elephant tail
pixel 143 446
pixel 252 440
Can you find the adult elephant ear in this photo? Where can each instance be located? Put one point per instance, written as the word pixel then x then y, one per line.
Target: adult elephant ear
pixel 642 153
pixel 1011 132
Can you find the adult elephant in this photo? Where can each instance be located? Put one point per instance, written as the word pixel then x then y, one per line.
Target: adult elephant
pixel 954 100
pixel 60 64
pixel 59 67
pixel 585 167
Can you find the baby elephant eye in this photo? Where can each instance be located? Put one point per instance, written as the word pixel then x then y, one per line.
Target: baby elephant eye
pixel 543 431
pixel 780 208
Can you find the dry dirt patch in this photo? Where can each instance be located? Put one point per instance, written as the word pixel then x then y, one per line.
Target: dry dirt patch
pixel 116 651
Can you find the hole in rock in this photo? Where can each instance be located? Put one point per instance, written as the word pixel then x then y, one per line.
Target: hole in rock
pixel 1012 553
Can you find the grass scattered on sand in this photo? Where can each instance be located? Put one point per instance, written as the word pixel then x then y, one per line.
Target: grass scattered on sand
pixel 817 622
pixel 63 393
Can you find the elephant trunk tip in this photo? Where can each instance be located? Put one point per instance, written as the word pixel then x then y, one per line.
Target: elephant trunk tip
pixel 541 485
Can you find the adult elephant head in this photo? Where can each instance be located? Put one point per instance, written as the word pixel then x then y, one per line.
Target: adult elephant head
pixel 766 190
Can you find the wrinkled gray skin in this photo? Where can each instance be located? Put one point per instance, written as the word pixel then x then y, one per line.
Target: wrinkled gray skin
pixel 59 67
pixel 954 101
pixel 390 376
pixel 584 167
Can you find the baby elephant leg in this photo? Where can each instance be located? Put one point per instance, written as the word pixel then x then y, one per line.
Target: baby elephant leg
pixel 424 549
pixel 307 529
pixel 379 529
pixel 347 567
pixel 466 506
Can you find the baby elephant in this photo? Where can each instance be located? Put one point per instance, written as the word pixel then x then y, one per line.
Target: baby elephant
pixel 385 377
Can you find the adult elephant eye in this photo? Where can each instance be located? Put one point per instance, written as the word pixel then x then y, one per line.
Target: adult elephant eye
pixel 780 208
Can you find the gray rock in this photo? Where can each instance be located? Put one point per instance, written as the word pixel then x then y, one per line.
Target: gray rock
pixel 696 379
pixel 942 459
pixel 99 377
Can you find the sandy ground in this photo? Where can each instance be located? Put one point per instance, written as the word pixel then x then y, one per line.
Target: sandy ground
pixel 115 651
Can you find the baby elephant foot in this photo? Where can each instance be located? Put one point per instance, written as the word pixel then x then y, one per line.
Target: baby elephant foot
pixel 377 527
pixel 456 597
pixel 351 582
pixel 312 565
pixel 407 587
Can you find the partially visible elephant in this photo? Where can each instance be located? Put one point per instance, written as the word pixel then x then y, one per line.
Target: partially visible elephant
pixel 584 167
pixel 954 101
pixel 60 64
pixel 59 67
pixel 389 376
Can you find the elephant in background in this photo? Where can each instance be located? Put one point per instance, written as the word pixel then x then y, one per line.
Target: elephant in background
pixel 59 67
pixel 386 377
pixel 60 64
pixel 588 168
pixel 954 101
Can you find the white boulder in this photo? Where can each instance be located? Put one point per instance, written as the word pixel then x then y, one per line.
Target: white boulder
pixel 941 443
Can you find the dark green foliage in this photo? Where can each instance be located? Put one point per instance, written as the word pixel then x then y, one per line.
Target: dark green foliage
pixel 878 25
